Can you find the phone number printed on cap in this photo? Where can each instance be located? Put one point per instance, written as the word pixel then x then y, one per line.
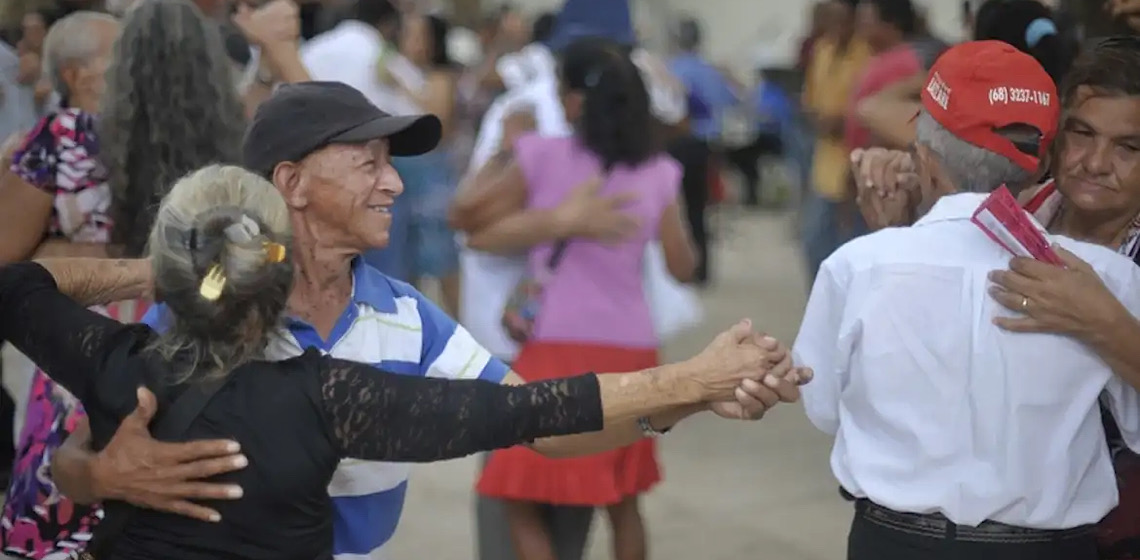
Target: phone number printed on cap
pixel 1006 95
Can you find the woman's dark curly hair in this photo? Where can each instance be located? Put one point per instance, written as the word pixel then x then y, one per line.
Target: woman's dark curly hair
pixel 170 107
pixel 616 122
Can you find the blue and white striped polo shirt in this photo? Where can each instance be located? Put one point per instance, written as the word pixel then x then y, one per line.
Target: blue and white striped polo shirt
pixel 394 327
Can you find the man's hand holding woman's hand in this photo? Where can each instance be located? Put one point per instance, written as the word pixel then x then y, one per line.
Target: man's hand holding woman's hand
pixel 742 374
pixel 136 468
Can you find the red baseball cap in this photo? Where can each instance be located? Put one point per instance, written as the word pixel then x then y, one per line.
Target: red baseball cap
pixel 977 87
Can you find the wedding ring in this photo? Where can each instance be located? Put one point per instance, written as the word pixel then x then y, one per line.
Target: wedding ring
pixel 1024 303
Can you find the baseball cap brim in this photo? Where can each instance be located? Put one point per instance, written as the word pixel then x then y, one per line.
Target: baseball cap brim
pixel 411 135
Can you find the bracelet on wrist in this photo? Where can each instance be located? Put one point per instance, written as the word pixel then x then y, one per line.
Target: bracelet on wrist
pixel 647 429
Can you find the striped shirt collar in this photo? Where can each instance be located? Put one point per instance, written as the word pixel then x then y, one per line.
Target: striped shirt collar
pixel 368 287
pixel 371 288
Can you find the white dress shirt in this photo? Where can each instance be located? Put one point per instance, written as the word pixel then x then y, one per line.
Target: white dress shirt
pixel 934 408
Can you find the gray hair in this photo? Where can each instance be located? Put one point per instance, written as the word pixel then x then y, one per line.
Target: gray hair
pixel 170 107
pixel 69 41
pixel 194 233
pixel 971 168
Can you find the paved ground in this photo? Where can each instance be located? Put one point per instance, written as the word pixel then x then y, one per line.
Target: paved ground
pixel 732 490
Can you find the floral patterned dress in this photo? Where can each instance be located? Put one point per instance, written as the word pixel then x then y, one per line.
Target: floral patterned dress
pixel 59 157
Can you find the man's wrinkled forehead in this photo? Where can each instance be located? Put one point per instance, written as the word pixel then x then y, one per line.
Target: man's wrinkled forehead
pixel 334 157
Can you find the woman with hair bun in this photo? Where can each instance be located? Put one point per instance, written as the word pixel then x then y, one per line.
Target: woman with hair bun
pixel 219 261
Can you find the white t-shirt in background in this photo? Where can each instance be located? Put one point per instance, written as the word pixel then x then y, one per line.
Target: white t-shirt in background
pixel 349 53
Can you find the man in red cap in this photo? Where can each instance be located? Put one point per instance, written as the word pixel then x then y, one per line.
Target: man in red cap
pixel 957 439
pixel 999 106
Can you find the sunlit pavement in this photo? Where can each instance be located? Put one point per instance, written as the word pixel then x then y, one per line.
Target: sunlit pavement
pixel 732 490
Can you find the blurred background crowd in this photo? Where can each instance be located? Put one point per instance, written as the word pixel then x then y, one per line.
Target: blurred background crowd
pixel 105 103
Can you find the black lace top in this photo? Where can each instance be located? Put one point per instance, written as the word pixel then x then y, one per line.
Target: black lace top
pixel 295 419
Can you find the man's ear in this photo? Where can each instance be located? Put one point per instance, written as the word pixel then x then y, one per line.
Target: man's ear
pixel 287 178
pixel 929 165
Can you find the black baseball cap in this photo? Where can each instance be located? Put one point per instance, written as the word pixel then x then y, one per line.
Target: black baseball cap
pixel 301 118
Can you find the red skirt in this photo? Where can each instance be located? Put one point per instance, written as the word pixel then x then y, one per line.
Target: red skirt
pixel 594 480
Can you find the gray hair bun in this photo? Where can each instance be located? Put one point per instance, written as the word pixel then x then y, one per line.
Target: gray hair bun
pixel 244 230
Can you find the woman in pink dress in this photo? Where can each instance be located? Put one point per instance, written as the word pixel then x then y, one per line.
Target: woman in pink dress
pixel 593 313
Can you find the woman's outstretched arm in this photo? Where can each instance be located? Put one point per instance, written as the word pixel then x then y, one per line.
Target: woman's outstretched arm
pixel 377 416
pixel 64 338
pixel 94 281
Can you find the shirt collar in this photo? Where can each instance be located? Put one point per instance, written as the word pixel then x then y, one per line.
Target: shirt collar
pixel 952 207
pixel 371 287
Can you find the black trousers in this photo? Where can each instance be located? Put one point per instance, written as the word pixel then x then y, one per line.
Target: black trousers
pixel 695 158
pixel 569 528
pixel 746 160
pixel 880 534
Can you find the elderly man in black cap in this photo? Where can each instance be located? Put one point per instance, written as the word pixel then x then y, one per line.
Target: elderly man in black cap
pixel 328 150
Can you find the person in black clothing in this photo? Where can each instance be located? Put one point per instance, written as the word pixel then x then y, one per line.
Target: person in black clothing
pixel 220 265
pixel 695 158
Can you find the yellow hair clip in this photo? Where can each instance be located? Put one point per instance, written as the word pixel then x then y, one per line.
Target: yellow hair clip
pixel 212 284
pixel 274 252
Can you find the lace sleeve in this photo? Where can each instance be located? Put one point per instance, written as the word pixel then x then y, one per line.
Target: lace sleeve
pixel 66 340
pixel 379 416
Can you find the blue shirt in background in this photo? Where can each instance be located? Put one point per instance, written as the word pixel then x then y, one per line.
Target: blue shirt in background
pixel 710 93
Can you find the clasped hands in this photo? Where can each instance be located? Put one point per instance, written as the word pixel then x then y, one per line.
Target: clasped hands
pixel 742 374
pixel 886 186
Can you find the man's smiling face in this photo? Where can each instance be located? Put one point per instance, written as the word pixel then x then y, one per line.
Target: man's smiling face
pixel 349 192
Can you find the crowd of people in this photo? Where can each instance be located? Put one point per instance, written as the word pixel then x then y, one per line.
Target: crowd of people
pixel 352 125
pixel 220 218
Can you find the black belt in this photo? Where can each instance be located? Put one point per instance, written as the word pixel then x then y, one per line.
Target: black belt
pixel 935 525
